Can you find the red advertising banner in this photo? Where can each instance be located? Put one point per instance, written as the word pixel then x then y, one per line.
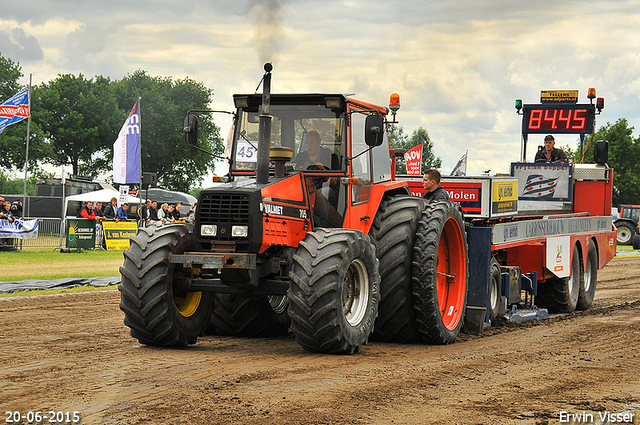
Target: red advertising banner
pixel 413 158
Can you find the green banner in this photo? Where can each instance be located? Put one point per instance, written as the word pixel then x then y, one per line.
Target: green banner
pixel 81 233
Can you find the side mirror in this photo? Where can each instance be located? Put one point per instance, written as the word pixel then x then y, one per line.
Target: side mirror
pixel 191 130
pixel 373 130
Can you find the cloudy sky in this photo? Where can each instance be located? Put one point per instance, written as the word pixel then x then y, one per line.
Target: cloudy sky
pixel 458 65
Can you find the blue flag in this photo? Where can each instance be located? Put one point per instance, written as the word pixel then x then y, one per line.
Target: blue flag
pixel 15 109
pixel 126 149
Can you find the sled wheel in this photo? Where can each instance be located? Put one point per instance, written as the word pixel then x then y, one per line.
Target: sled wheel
pixel 588 286
pixel 334 291
pixel 495 289
pixel 440 273
pixel 235 315
pixel 156 309
pixel 561 295
pixel 393 234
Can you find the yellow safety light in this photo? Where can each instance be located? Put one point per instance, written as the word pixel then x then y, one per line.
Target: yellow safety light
pixel 592 93
pixel 394 102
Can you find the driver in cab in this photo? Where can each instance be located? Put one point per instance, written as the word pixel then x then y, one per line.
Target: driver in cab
pixel 316 157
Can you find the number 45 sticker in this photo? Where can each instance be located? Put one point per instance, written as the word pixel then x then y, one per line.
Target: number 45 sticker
pixel 246 152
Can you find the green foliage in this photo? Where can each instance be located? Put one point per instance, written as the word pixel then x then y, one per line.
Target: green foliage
pixel 624 157
pixel 195 191
pixel 10 185
pixel 398 139
pixel 10 73
pixel 79 116
pixel 13 140
pixel 163 106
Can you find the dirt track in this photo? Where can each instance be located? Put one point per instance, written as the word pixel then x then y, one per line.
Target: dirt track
pixel 72 352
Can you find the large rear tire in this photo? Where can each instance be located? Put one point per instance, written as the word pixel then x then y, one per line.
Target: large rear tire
pixel 625 234
pixel 334 291
pixel 235 315
pixel 588 286
pixel 393 234
pixel 561 295
pixel 636 242
pixel 156 309
pixel 440 273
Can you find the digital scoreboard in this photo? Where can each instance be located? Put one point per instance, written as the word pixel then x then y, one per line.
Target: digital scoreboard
pixel 558 118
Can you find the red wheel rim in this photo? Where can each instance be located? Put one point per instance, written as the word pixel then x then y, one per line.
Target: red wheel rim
pixel 451 274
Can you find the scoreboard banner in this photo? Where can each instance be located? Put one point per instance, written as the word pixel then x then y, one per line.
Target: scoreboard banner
pixel 558 118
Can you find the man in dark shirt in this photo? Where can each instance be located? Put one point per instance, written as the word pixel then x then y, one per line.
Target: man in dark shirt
pixel 16 208
pixel 111 210
pixel 176 212
pixel 431 182
pixel 98 209
pixel 549 153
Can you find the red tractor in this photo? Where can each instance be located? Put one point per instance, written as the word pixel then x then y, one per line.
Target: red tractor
pixel 627 225
pixel 309 231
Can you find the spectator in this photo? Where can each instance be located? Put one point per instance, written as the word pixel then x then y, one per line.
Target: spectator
pixel 153 211
pixel 163 214
pixel 431 182
pixel 123 212
pixel 170 216
pixel 88 213
pixel 16 208
pixel 176 212
pixel 6 213
pixel 98 210
pixel 111 210
pixel 1 207
pixel 191 215
pixel 145 213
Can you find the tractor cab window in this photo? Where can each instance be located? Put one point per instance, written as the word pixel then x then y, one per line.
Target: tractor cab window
pixel 313 132
pixel 360 165
pixel 631 212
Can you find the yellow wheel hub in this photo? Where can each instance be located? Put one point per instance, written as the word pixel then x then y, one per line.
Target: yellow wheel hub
pixel 187 306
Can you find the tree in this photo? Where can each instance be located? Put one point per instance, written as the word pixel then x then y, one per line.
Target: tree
pixel 15 185
pixel 163 107
pixel 80 118
pixel 397 139
pixel 13 138
pixel 10 72
pixel 624 157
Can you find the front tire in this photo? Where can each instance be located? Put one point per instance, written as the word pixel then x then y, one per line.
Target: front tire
pixel 334 291
pixel 156 309
pixel 440 273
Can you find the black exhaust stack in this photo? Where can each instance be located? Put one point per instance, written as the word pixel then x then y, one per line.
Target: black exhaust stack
pixel 264 135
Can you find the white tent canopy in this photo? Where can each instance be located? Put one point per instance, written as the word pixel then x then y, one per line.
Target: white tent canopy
pixel 103 195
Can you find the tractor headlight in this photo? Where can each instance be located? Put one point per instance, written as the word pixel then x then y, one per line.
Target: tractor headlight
pixel 208 230
pixel 239 231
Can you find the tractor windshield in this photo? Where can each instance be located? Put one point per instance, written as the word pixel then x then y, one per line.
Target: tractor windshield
pixel 313 132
